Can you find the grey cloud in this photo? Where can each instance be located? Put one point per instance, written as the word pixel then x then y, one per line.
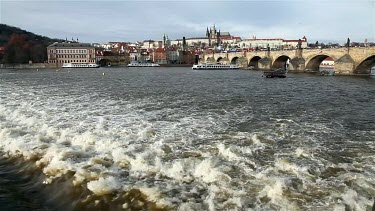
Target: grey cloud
pixel 103 21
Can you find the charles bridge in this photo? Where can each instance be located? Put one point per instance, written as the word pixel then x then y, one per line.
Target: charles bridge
pixel 347 61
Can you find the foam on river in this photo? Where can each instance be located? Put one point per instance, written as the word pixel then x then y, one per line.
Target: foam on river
pixel 188 160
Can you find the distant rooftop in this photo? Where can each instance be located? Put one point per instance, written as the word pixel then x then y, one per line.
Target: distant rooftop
pixel 69 45
pixel 269 39
pixel 192 38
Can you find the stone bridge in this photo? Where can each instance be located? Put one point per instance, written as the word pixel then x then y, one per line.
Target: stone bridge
pixel 348 61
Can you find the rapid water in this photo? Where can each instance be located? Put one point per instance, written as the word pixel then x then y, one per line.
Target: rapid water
pixel 178 139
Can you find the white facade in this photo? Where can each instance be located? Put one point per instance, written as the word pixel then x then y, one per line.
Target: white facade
pixel 176 42
pixel 292 44
pixel 145 56
pixel 231 41
pixel 261 43
pixel 328 62
pixel 190 41
pixel 148 44
pixel 60 53
pixel 274 43
pixel 173 56
pixel 107 46
pixel 193 41
pixel 134 55
pixel 152 44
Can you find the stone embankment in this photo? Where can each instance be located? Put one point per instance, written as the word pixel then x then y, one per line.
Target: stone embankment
pixel 27 66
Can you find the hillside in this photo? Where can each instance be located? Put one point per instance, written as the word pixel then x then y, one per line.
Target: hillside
pixel 7 31
pixel 22 46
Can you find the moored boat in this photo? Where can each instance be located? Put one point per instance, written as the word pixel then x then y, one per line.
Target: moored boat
pixel 143 64
pixel 214 66
pixel 327 72
pixel 275 74
pixel 80 65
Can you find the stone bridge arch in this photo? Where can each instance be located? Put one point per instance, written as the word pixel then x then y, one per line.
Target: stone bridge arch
pixel 104 62
pixel 239 60
pixel 364 66
pixel 313 63
pixel 223 60
pixel 347 60
pixel 281 62
pixel 254 62
pixel 234 60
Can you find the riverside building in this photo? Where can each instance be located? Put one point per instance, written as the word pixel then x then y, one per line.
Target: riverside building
pixel 273 43
pixel 60 53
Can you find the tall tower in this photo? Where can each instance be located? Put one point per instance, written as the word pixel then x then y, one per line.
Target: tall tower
pixel 164 40
pixel 213 35
pixel 218 38
pixel 213 32
pixel 208 34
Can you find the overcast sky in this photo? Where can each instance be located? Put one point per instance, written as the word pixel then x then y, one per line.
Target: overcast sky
pixel 104 21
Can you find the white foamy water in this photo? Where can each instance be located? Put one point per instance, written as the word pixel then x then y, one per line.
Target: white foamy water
pixel 180 155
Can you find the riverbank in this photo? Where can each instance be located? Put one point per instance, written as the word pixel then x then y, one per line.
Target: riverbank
pixel 47 65
pixel 176 65
pixel 27 66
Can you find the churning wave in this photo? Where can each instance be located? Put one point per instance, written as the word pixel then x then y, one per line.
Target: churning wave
pixel 165 152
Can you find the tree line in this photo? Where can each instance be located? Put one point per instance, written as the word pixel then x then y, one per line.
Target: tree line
pixel 21 46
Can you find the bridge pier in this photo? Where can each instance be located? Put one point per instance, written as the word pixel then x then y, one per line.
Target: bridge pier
pixel 345 65
pixel 356 61
pixel 242 62
pixel 265 63
pixel 225 60
pixel 210 59
pixel 297 65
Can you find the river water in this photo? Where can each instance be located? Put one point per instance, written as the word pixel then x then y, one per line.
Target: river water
pixel 179 139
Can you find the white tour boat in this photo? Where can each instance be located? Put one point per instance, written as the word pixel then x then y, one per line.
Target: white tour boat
pixel 213 66
pixel 143 64
pixel 80 65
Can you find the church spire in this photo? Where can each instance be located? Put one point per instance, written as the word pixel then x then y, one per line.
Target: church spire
pixel 164 40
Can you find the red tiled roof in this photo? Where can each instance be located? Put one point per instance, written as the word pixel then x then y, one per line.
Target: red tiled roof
pixel 159 50
pixel 122 43
pixel 230 38
pixel 170 49
pixel 293 41
pixel 265 39
pixel 328 59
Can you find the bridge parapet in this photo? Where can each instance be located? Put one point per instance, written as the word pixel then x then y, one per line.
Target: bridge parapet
pixel 349 61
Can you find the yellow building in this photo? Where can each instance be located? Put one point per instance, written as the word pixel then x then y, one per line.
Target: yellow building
pixel 60 53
